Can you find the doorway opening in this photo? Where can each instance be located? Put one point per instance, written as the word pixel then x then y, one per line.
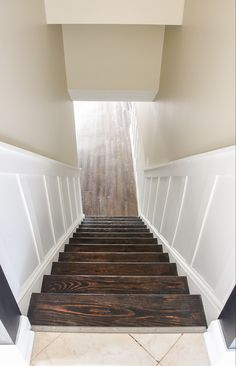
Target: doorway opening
pixel 105 158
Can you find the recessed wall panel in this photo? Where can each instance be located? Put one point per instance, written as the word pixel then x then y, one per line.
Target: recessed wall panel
pixel 55 204
pixel 215 257
pixel 173 207
pixel 16 239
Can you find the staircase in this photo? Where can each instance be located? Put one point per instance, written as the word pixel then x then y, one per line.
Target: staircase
pixel 113 276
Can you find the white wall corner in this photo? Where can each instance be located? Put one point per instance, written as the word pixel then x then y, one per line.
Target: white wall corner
pixel 19 354
pixel 218 352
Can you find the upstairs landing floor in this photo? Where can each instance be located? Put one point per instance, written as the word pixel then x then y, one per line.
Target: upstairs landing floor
pixel 105 159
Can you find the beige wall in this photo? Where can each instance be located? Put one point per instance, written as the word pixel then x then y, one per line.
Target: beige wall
pixel 194 112
pixel 35 111
pixel 109 62
pixel 114 11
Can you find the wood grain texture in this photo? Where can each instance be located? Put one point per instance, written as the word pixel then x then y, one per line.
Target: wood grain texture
pixel 112 230
pixel 113 218
pixel 115 284
pixel 104 154
pixel 124 235
pixel 113 257
pixel 116 310
pixel 105 279
pixel 121 269
pixel 112 225
pixel 112 248
pixel 113 240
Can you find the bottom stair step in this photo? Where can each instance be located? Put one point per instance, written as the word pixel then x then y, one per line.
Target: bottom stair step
pixel 115 284
pixel 167 313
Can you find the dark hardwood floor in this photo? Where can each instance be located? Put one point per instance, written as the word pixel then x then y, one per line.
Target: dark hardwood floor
pixel 104 154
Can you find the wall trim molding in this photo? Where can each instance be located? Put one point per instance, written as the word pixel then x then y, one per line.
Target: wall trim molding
pixel 20 353
pixel 204 289
pixel 218 352
pixel 38 273
pixel 197 158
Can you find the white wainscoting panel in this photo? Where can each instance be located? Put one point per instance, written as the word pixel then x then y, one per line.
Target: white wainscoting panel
pixel 66 201
pixel 216 248
pixel 56 206
pixel 173 204
pixel 189 204
pixel 195 202
pixel 40 206
pixel 18 261
pixel 163 188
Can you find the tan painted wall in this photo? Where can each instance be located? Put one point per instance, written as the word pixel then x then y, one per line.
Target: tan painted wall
pixel 109 62
pixel 194 112
pixel 35 111
pixel 114 11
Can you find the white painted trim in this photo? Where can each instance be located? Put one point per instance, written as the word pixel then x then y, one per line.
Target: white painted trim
pixel 36 247
pixel 19 354
pixel 199 164
pixel 155 203
pixel 204 221
pixel 39 271
pixel 149 195
pixel 132 141
pixel 180 210
pixel 203 286
pixel 62 204
pixel 166 199
pixel 49 210
pixel 218 352
pixel 19 161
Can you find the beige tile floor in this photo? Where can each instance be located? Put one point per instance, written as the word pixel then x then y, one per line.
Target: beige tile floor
pixel 67 349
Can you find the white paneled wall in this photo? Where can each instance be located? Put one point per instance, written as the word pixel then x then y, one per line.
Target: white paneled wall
pixel 40 206
pixel 189 205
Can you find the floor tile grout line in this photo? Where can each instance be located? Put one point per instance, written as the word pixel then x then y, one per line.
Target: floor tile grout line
pixel 49 344
pixel 181 335
pixel 144 349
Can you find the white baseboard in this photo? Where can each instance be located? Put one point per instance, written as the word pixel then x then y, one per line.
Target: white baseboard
pixel 34 282
pixel 196 282
pixel 20 353
pixel 218 352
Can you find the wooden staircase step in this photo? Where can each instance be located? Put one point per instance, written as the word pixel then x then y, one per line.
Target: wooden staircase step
pixel 170 312
pixel 113 230
pixel 116 222
pixel 89 225
pixel 113 257
pixel 114 268
pixel 113 248
pixel 115 240
pixel 115 284
pixel 113 218
pixel 108 234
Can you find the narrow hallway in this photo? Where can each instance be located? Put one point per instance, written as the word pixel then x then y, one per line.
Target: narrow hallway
pixel 104 154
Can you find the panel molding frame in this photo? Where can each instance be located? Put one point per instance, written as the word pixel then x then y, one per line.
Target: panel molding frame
pixel 211 167
pixel 31 174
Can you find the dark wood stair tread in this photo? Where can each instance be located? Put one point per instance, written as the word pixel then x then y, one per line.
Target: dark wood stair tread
pixel 113 248
pixel 114 268
pixel 115 240
pixel 115 284
pixel 97 218
pixel 125 235
pixel 50 309
pixel 112 230
pixel 113 275
pixel 112 225
pixel 114 257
